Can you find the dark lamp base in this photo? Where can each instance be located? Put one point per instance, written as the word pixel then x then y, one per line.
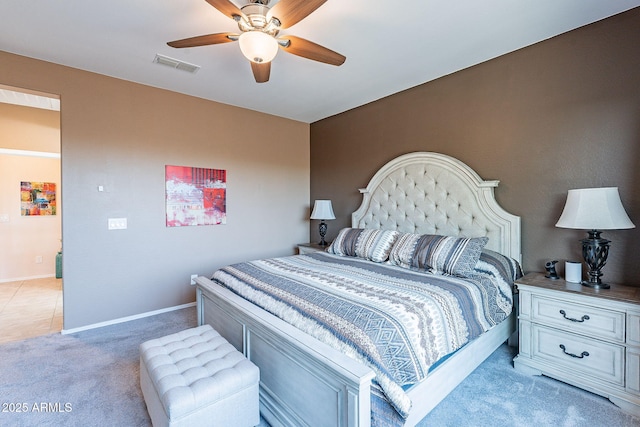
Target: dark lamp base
pixel 323 231
pixel 595 285
pixel 595 251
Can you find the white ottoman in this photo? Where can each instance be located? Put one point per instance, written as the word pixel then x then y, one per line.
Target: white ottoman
pixel 196 378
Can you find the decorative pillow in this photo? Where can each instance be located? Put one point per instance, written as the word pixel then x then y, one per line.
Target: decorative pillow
pixel 345 242
pixel 506 267
pixel 402 251
pixel 373 245
pixel 440 254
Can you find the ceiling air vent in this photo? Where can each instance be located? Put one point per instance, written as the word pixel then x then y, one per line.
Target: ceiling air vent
pixel 174 63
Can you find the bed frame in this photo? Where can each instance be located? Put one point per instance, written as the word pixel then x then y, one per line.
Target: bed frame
pixel 304 382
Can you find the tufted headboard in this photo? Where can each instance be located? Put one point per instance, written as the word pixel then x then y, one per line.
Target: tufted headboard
pixel 431 193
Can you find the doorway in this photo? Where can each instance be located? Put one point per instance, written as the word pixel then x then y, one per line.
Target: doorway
pixel 30 214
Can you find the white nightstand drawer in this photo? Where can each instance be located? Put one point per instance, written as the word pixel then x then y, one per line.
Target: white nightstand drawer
pixel 579 318
pixel 592 358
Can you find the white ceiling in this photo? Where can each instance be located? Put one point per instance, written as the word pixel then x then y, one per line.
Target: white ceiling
pixel 390 46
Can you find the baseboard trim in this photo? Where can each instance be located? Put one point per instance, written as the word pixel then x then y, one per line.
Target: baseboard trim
pixel 126 319
pixel 20 279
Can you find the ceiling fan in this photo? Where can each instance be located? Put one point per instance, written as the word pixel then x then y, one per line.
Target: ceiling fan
pixel 259 27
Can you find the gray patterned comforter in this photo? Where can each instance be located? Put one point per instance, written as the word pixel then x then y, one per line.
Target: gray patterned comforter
pixel 396 320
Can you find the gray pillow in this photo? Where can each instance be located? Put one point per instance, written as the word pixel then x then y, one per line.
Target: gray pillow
pixel 440 254
pixel 370 244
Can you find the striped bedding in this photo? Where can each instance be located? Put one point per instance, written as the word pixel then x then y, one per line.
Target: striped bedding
pixel 398 321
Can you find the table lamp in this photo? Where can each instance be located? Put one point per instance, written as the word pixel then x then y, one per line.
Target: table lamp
pixel 322 210
pixel 594 209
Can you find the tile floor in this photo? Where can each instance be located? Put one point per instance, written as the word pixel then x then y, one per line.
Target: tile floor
pixel 30 308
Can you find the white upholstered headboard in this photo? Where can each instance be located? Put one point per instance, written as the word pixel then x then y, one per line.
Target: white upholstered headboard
pixel 431 193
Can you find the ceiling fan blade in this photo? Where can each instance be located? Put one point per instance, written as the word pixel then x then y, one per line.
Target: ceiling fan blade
pixel 290 12
pixel 203 40
pixel 226 7
pixel 310 50
pixel 261 71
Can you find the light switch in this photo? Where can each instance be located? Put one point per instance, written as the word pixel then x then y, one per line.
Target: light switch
pixel 117 223
pixel 4 217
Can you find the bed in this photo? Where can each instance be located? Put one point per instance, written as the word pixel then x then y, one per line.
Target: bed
pixel 310 378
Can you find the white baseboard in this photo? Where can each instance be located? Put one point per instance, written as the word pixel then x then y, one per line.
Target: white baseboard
pixel 20 279
pixel 126 319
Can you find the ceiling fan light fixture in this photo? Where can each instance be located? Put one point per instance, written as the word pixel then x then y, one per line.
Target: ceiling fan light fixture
pixel 258 47
pixel 259 39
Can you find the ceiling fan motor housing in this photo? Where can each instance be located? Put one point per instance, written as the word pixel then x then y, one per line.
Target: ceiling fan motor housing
pixel 255 19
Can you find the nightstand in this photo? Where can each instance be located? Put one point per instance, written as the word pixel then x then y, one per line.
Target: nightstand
pixel 582 336
pixel 307 248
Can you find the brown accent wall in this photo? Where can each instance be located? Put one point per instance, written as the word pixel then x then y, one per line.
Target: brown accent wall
pixel 561 114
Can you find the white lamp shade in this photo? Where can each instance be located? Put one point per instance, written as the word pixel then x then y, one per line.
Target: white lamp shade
pixel 594 209
pixel 322 209
pixel 258 47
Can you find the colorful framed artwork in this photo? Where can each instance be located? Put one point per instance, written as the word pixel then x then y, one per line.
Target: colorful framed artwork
pixel 37 198
pixel 195 196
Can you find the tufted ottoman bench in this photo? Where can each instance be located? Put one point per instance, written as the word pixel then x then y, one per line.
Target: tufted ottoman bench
pixel 196 378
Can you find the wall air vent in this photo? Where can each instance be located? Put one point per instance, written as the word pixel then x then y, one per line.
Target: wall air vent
pixel 175 63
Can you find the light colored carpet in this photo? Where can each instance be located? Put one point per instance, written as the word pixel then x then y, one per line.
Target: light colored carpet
pixel 495 394
pixel 92 379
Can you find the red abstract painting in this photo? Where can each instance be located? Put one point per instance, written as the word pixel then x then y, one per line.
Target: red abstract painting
pixel 195 196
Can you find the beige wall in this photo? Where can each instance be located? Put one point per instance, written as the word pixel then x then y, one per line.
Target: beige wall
pixel 562 114
pixel 25 128
pixel 121 135
pixel 25 239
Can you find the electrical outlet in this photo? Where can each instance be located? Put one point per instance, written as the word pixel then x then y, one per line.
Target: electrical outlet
pixel 39 259
pixel 117 223
pixel 193 279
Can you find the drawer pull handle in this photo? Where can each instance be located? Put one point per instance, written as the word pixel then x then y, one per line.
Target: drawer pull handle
pixel 564 314
pixel 583 355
